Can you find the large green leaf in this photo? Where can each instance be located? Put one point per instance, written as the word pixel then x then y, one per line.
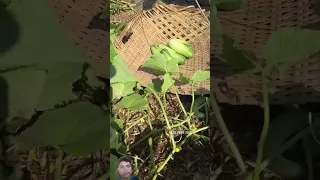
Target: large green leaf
pixel 20 92
pixel 160 63
pixel 41 38
pixel 120 90
pixel 119 71
pixel 287 45
pixel 200 76
pixel 79 128
pixel 133 102
pixel 234 56
pixel 114 173
pixel 58 86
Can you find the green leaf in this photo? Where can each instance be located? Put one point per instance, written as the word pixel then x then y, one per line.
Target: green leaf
pixel 200 76
pixel 156 86
pixel 230 5
pixel 184 80
pixel 20 91
pixel 197 104
pixel 113 51
pixel 286 169
pixel 58 86
pixel 120 90
pixel 79 128
pixel 40 36
pixel 114 173
pixel 133 102
pixel 167 82
pixel 159 62
pixel 116 90
pixel 282 128
pixel 17 174
pixel 114 138
pixel 119 71
pixel 117 124
pixel 287 45
pixel 234 56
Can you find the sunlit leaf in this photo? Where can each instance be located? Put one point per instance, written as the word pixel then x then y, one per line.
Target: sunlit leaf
pixel 167 82
pixel 119 71
pixel 133 102
pixel 159 63
pixel 200 76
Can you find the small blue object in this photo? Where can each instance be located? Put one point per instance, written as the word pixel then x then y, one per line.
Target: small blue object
pixel 132 178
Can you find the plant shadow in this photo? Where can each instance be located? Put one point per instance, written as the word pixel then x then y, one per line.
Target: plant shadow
pixel 9 31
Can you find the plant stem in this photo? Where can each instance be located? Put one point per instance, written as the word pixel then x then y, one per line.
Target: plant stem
pixel 135 123
pixel 178 98
pixel 165 117
pixel 265 128
pixel 151 153
pixel 58 165
pixel 173 151
pixel 147 136
pixel 308 153
pixel 192 101
pixel 226 133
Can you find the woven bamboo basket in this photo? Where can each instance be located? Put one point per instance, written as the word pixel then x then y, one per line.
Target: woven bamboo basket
pixel 85 29
pixel 250 27
pixel 157 26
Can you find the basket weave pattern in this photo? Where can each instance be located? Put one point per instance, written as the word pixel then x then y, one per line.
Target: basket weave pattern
pixel 250 27
pixel 158 26
pixel 77 17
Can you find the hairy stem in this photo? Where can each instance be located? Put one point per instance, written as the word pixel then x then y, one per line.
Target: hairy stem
pixel 226 133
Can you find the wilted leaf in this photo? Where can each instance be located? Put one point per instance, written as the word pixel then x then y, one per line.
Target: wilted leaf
pixel 133 102
pixel 234 56
pixel 287 45
pixel 200 76
pixel 79 128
